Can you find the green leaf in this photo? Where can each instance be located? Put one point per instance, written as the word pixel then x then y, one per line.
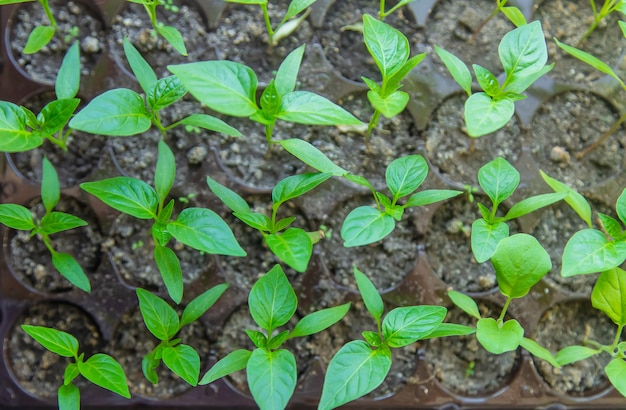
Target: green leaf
pixel 317 321
pixel 210 123
pixel 578 202
pixel 283 223
pixel 140 67
pixel 487 81
pixel 165 92
pixel 391 105
pixel 184 361
pixel 484 115
pixel 297 185
pixel 465 303
pixel 371 298
pixel 539 351
pixel 450 329
pixel 393 83
pixel 531 204
pixel 354 371
pixel 204 230
pixel 223 86
pixel 38 39
pixel 160 318
pixel 255 220
pixel 68 79
pixel 519 261
pixel 272 300
pixel 16 217
pixel 296 7
pixel 365 225
pixel 258 338
pixel 485 238
pixel 171 272
pixel 523 51
pixel 372 338
pixel 68 397
pixel 304 107
pixel 165 171
pixel 71 270
pixel 589 251
pixel 571 354
pixel 287 74
pixel 203 302
pixel 229 197
pixel 148 366
pixel 61 343
pixel 104 371
pixel 404 175
pixel 311 156
pixel 405 325
pixel 457 68
pixel 609 295
pixel 514 15
pixel 430 196
pixel 591 60
pixel 272 377
pixel 518 85
pixel 234 361
pixel 498 179
pixel 611 226
pixel 129 195
pixel 294 247
pixel 622 24
pixel 50 190
pixel 620 206
pixel 616 372
pixel 119 112
pixel 14 137
pixel 174 37
pixel 71 372
pixel 55 115
pixel 498 339
pixel 388 46
pixel 59 221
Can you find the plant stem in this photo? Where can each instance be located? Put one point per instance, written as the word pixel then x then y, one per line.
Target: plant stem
pixel 483 24
pixel 381 11
pixel 603 138
pixel 268 24
pixel 618 336
pixel 370 127
pixel 503 313
pixel 46 8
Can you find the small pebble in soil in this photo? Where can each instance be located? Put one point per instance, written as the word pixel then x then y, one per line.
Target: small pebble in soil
pixel 559 155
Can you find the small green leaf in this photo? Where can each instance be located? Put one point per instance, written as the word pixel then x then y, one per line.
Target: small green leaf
pixel 287 74
pixel 50 190
pixel 404 175
pixel 519 261
pixel 589 251
pixel 354 371
pixel 514 15
pixel 229 197
pixel 283 223
pixel 204 230
pixel 203 302
pixel 55 115
pixel 611 226
pixel 405 325
pixel 165 92
pixel 484 115
pixel 317 321
pixel 620 206
pixel 531 204
pixel 160 318
pixel 499 338
pixel 572 354
pixel 170 270
pixel 391 105
pixel 365 225
pixel 254 220
pixel 498 179
pixel 38 39
pixel 234 361
pixel 68 79
pixel 56 341
pixel 277 341
pixel 465 303
pixel 294 247
pixel 68 397
pixel 304 107
pixel 541 352
pixel 297 185
pixel 394 82
pixel 104 371
pixel 372 299
pixel 485 238
pixel 119 112
pixel 71 372
pixel 71 270
pixel 14 137
pixel 174 37
pixel 372 338
pixel 616 372
pixel 272 377
pixel 311 156
pixel 184 361
pixel 129 195
pixel 258 338
pixel 140 67
pixel 272 300
pixel 487 81
pixel 165 171
pixel 450 329
pixel 210 123
pixel 389 47
pixel 148 366
pixel 16 217
pixel 523 51
pixel 296 7
pixel 60 221
pixel 457 68
pixel 609 295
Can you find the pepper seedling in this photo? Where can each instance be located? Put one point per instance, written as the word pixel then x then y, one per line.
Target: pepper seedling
pixel 390 50
pixel 100 369
pixel 123 112
pixel 288 24
pixel 608 7
pixel 520 262
pixel 163 322
pixel 198 228
pixel 19 217
pixel 514 15
pixel 169 33
pixel 230 88
pixel 523 54
pixel 22 130
pixel 362 365
pixel 382 13
pixel 294 246
pixel 271 370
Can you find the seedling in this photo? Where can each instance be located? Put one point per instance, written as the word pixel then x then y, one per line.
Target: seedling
pixel 41 35
pixel 608 296
pixel 163 322
pixel 523 54
pixel 100 369
pixel 520 262
pixel 230 88
pixel 362 365
pixel 122 112
pixel 22 130
pixel 499 180
pixel 271 370
pixel 512 13
pixel 288 24
pixel 608 7
pixel 382 13
pixel 390 50
pixel 169 33
pixel 19 217
pixel 606 69
pixel 294 246
pixel 199 228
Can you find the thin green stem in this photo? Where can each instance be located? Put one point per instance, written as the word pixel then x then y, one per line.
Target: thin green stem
pixel 381 11
pixel 618 336
pixel 483 24
pixel 503 313
pixel 46 8
pixel 268 23
pixel 602 138
pixel 156 120
pixel 370 127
